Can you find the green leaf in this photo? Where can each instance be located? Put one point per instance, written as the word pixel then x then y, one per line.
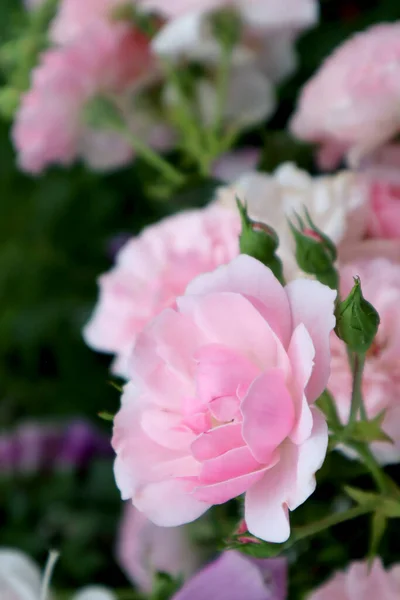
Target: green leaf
pixel 391 508
pixel 116 386
pixel 327 404
pixel 257 549
pixel 388 506
pixel 164 586
pixel 370 431
pixel 378 528
pixel 106 416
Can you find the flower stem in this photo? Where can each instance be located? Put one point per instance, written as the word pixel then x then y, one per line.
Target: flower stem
pixel 356 396
pixel 153 159
pixel 308 530
pixel 187 120
pixel 48 572
pixel 372 465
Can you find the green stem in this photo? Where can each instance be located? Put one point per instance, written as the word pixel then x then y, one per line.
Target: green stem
pixel 222 87
pixel 356 396
pixel 48 572
pixel 153 159
pixel 327 522
pixel 188 122
pixel 372 465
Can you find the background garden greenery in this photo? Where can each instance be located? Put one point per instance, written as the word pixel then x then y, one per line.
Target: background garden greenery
pixel 57 234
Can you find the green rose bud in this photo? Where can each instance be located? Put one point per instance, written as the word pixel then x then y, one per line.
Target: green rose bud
pixel 315 252
pixel 259 241
pixel 356 320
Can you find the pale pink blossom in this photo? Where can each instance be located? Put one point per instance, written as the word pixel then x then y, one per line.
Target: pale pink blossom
pixel 220 400
pixel 50 128
pixel 383 164
pixel 385 209
pixel 380 281
pixel 143 549
pixel 351 106
pixel 153 269
pixel 75 18
pixel 379 235
pixel 359 582
pixel 337 204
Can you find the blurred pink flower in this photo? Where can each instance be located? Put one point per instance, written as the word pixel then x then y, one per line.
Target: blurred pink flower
pixel 152 270
pixel 220 400
pixel 350 107
pixel 239 578
pixel 379 235
pixel 49 127
pixel 380 281
pixel 144 548
pixel 75 18
pixel 385 205
pixel 359 582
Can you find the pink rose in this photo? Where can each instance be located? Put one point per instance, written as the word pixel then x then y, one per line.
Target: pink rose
pixel 385 204
pixel 358 582
pixel 219 402
pixel 153 269
pixel 380 280
pixel 378 233
pixel 143 549
pixel 351 105
pixel 75 18
pixel 49 126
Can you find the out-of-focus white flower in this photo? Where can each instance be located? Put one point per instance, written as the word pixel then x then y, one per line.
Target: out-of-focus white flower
pixel 20 579
pixel 335 203
pixel 263 56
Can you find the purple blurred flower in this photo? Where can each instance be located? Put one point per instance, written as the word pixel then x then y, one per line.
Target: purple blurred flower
pixel 234 576
pixel 80 442
pixel 34 447
pixel 230 166
pixel 144 548
pixel 115 244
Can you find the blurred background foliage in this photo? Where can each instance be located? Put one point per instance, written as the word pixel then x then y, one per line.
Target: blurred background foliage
pixel 57 234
